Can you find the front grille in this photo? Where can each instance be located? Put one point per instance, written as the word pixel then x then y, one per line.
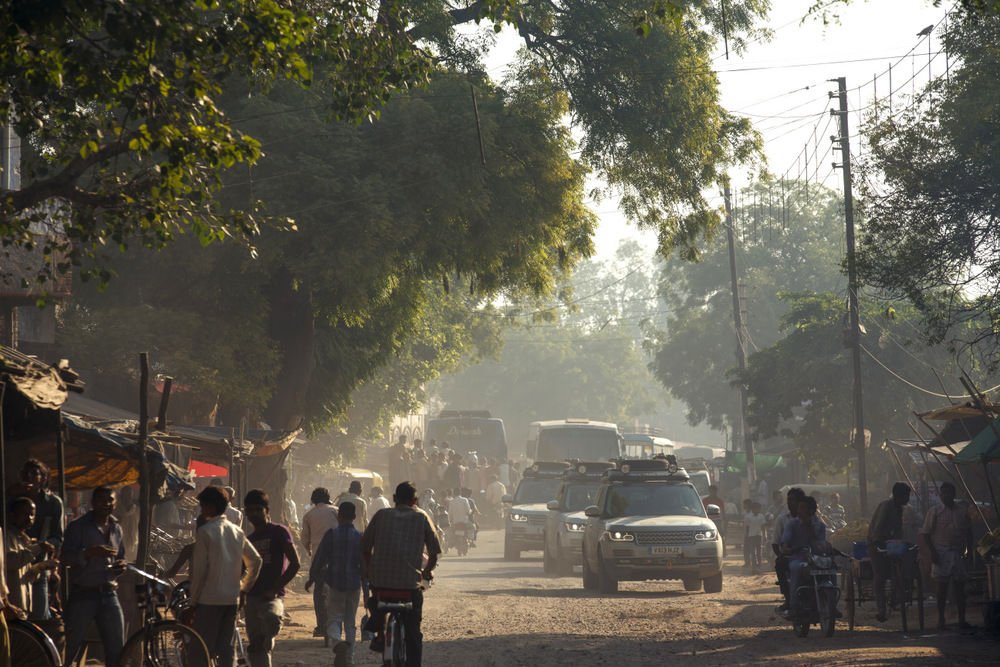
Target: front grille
pixel 536 520
pixel 664 537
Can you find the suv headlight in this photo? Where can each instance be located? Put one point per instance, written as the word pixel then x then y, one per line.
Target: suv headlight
pixel 574 527
pixel 619 536
pixel 706 534
pixel 518 516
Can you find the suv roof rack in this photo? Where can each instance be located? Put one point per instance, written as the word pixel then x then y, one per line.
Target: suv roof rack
pixel 546 469
pixel 587 468
pixel 658 468
pixel 465 414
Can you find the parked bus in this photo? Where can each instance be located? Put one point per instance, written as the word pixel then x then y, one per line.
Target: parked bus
pixel 581 439
pixel 469 431
pixel 643 446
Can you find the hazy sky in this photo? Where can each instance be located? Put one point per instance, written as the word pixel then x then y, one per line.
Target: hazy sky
pixel 782 84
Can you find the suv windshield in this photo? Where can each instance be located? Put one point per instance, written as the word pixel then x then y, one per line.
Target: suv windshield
pixel 652 499
pixel 536 490
pixel 580 496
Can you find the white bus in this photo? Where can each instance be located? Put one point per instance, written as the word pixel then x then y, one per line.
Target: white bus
pixel 580 439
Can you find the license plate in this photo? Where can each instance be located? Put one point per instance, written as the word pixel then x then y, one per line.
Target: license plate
pixel 664 551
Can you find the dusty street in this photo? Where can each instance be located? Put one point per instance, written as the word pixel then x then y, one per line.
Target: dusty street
pixel 485 612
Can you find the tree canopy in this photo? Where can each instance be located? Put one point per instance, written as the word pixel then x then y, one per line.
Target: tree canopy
pixel 931 198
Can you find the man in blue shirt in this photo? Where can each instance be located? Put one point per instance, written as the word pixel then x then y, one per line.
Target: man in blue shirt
pixel 95 554
pixel 337 565
pixel 802 534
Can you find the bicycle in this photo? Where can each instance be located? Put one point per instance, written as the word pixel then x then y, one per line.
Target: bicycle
pixel 161 642
pixel 396 604
pixel 180 603
pixel 30 646
pixel 898 552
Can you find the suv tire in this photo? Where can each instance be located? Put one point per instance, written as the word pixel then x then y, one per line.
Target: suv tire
pixel 510 552
pixel 589 578
pixel 692 584
pixel 605 582
pixel 713 584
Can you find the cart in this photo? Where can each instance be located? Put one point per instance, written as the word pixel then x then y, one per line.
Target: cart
pixel 858 586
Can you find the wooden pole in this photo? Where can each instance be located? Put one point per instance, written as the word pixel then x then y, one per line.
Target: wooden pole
pixel 142 555
pixel 161 418
pixel 3 457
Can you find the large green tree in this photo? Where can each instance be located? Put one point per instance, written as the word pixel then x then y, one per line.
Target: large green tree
pixel 779 249
pixel 383 210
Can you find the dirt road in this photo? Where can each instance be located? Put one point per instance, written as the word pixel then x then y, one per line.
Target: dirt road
pixel 485 612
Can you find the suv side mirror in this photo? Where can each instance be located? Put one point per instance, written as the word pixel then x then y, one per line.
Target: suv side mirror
pixel 553 505
pixel 714 511
pixel 594 512
pixel 507 499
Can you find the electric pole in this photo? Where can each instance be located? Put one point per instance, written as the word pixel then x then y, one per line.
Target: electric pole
pixel 741 434
pixel 843 143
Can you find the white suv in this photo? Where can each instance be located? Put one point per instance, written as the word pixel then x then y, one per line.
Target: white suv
pixel 647 523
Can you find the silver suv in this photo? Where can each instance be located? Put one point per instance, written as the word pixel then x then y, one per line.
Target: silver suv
pixel 648 522
pixel 565 522
pixel 525 522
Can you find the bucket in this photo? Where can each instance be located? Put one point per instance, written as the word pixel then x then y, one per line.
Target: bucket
pixel 859 550
pixel 993 582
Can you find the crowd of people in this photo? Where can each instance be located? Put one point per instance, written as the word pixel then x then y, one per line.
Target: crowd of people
pixel 945 545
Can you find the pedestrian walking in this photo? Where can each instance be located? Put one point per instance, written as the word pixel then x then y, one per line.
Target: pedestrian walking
pixel 320 518
pixel 337 568
pixel 221 553
pixel 377 501
pixel 353 496
pixel 753 522
pixel 280 562
pixel 947 536
pixel 94 552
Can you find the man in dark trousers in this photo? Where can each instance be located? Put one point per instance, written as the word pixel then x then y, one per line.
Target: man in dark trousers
pixel 392 549
pixel 886 524
pixel 337 567
pixel 265 604
pixel 94 552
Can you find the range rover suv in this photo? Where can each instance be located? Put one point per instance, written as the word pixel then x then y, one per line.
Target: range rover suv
pixel 525 521
pixel 648 523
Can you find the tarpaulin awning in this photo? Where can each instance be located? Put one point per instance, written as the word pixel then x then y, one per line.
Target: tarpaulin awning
pixel 203 469
pixel 737 462
pixel 97 455
pixel 966 411
pixel 985 446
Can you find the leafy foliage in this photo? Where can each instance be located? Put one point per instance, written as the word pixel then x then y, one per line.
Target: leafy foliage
pixel 118 103
pixel 931 196
pixel 797 250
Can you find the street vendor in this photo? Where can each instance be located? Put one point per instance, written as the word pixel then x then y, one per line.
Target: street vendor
pixel 886 525
pixel 947 536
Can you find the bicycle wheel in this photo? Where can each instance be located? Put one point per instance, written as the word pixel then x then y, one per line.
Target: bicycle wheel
pixel 920 601
pixel 399 644
pixel 902 597
pixel 849 589
pixel 30 647
pixel 165 644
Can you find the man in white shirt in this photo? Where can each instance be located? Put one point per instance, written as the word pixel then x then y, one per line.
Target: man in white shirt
pixel 319 519
pixel 221 549
pixel 232 513
pixel 377 501
pixel 353 495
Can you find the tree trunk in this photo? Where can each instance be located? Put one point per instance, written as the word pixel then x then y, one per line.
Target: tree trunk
pixel 292 327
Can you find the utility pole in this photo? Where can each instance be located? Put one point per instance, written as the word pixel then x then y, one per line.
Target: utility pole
pixel 741 432
pixel 844 141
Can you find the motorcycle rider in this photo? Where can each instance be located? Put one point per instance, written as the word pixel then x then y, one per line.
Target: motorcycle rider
pixel 473 513
pixel 460 512
pixel 803 534
pixel 781 560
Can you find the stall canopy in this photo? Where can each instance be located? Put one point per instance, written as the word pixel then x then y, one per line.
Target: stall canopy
pixel 203 469
pixel 984 447
pixel 737 462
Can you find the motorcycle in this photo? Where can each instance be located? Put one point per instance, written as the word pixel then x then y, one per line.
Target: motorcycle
pixel 816 596
pixel 459 538
pixel 443 522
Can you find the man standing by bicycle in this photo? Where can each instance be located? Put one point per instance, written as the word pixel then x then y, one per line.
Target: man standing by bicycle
pixel 947 535
pixel 393 549
pixel 265 605
pixel 221 550
pixel 95 554
pixel 886 524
